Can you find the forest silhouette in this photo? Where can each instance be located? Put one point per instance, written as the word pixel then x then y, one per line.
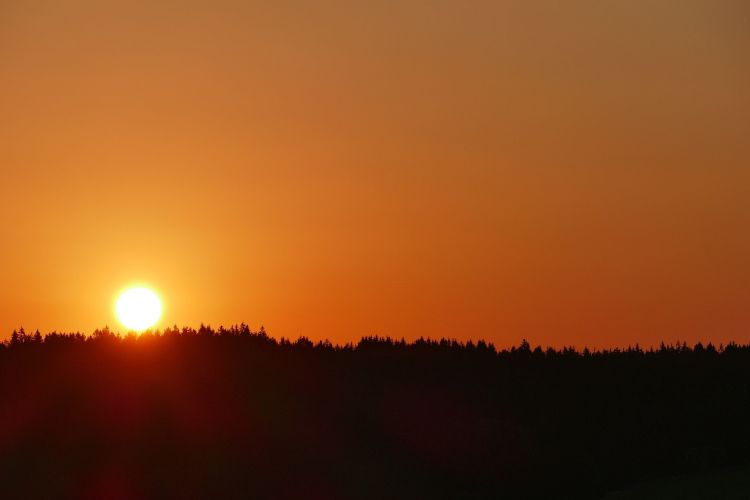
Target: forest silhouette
pixel 235 413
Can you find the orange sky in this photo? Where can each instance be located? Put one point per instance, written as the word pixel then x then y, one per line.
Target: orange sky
pixel 570 172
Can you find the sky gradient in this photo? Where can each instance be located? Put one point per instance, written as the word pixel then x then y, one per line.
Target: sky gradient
pixel 575 173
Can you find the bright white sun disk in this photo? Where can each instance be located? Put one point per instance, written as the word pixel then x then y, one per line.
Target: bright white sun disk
pixel 138 308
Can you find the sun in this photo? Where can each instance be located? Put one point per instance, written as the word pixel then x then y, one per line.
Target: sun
pixel 138 308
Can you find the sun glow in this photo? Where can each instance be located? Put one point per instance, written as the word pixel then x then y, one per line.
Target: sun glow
pixel 138 308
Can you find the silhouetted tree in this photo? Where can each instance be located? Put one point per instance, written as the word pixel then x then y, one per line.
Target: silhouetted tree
pixel 232 413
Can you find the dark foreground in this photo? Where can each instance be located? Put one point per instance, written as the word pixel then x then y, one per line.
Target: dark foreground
pixel 235 414
pixel 728 483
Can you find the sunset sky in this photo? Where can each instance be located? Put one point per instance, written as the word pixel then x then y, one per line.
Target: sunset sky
pixel 569 172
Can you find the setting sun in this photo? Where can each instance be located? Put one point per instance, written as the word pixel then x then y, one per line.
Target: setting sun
pixel 138 308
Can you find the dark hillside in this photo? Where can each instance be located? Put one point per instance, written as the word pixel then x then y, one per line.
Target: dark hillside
pixel 234 413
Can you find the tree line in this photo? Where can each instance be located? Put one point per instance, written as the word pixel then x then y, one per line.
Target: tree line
pixel 370 343
pixel 233 412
